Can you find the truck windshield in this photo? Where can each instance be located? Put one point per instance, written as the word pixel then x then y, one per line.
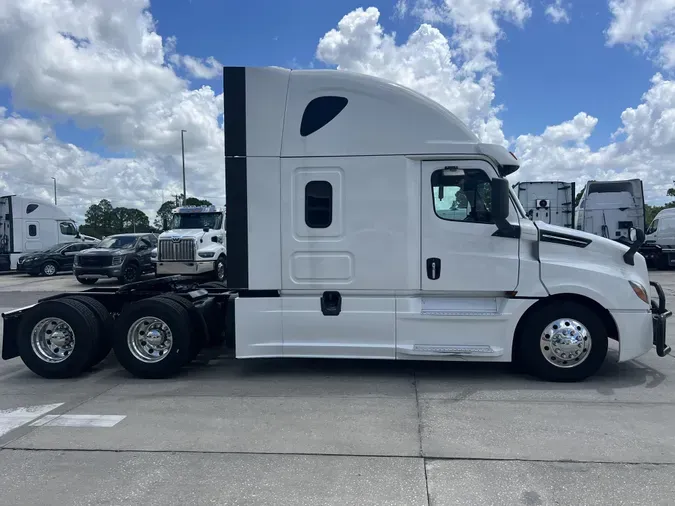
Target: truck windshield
pixel 197 220
pixel 123 242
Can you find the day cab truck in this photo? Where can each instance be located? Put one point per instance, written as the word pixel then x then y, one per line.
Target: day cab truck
pixel 364 220
pixel 195 243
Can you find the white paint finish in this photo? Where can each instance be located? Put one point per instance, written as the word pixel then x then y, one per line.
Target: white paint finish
pixel 365 328
pixel 266 89
pixel 529 281
pixel 605 203
pixel 371 244
pixel 264 223
pixel 258 327
pixel 664 235
pixel 11 419
pixel 105 421
pixel 416 331
pixel 635 333
pixel 454 305
pixel 377 119
pixel 597 271
pixel 472 259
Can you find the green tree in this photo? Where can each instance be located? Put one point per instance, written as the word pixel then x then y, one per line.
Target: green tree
pixel 164 211
pixel 103 219
pixel 577 199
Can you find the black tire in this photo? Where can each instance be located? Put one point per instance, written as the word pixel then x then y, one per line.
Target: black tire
pixel 130 273
pixel 83 323
pixel 220 269
pixel 49 269
pixel 214 284
pixel 530 355
pixel 175 316
pixel 86 281
pixel 105 324
pixel 196 323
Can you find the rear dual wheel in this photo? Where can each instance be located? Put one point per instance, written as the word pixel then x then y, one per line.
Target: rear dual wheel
pixel 59 338
pixel 153 337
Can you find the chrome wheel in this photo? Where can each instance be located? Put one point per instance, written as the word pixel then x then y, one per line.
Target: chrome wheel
pixel 149 339
pixel 220 270
pixel 53 340
pixel 565 343
pixel 49 270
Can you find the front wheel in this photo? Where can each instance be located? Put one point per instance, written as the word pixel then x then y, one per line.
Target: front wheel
pixel 220 269
pixel 563 341
pixel 130 274
pixel 49 269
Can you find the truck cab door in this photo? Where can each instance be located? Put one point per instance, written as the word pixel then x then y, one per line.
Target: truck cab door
pixel 463 254
pixel 33 240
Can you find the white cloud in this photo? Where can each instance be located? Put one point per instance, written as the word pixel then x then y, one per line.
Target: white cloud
pixel 401 9
pixel 644 146
pixel 557 13
pixel 458 71
pixel 104 65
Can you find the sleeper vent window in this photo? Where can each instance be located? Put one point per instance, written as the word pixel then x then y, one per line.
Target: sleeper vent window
pixel 31 207
pixel 318 204
pixel 319 112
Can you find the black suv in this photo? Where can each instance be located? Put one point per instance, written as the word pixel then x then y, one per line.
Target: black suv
pixel 122 256
pixel 52 260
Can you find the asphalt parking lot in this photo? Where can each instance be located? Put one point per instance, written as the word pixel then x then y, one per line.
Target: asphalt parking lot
pixel 294 432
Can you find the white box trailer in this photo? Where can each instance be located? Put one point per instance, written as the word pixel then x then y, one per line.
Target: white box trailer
pixel 364 220
pixel 28 224
pixel 548 201
pixel 611 208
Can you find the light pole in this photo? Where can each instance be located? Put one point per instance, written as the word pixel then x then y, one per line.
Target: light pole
pixel 54 190
pixel 182 149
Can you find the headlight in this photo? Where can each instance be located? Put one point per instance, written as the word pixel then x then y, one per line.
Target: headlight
pixel 640 291
pixel 117 260
pixel 206 254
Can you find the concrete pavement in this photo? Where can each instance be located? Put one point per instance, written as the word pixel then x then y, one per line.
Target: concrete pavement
pixel 293 432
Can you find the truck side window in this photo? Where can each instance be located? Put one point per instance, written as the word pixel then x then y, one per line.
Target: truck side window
pixel 319 112
pixel 318 204
pixel 67 228
pixel 461 195
pixel 32 230
pixel 31 207
pixel 653 227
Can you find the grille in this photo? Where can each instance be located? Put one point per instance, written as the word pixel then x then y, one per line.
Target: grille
pixel 94 261
pixel 182 250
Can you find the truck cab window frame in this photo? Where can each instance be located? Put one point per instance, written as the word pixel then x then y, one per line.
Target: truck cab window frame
pixel 32 230
pixel 318 204
pixel 653 227
pixel 67 228
pixel 461 195
pixel 31 207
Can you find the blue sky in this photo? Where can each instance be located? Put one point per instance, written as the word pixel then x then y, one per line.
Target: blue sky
pixel 559 93
pixel 548 72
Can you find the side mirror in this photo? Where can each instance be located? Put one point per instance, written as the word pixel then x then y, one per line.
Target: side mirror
pixel 165 224
pixel 632 234
pixel 500 199
pixel 637 238
pixel 141 247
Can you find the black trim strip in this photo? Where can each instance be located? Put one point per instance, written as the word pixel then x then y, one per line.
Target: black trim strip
pixel 236 216
pixel 565 239
pixel 11 224
pixel 512 233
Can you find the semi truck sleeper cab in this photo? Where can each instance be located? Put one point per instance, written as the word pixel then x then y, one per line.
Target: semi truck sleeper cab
pixel 364 220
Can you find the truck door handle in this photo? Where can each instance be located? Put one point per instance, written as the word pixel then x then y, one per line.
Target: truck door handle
pixel 331 303
pixel 433 268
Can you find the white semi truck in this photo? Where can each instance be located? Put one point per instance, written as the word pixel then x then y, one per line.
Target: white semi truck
pixel 611 208
pixel 195 243
pixel 364 220
pixel 31 225
pixel 548 201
